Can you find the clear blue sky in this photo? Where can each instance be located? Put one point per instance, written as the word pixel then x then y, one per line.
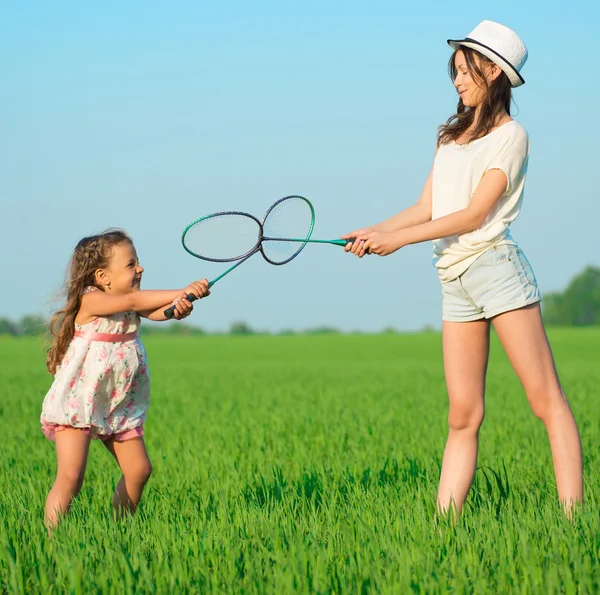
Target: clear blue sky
pixel 146 115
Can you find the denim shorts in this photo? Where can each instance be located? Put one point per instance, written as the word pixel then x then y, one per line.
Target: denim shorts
pixel 501 279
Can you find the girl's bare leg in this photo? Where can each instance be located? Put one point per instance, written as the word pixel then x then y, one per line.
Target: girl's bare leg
pixel 72 447
pixel 132 457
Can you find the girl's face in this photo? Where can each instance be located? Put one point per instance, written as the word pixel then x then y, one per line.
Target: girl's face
pixel 124 273
pixel 470 90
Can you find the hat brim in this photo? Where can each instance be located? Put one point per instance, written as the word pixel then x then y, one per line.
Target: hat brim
pixel 515 78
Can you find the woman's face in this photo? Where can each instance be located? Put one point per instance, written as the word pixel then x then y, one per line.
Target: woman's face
pixel 470 90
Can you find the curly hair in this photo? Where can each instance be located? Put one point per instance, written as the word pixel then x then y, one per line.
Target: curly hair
pixel 91 253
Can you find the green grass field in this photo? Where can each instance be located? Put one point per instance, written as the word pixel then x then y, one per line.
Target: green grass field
pixel 304 464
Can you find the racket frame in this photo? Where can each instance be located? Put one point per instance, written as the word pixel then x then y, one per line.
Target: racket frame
pixel 309 233
pixel 255 248
pixel 258 247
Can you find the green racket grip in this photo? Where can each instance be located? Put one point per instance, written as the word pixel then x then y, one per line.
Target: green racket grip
pixel 342 243
pixel 334 242
pixel 339 242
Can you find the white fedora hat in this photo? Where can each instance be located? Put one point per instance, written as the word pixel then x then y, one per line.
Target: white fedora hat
pixel 501 45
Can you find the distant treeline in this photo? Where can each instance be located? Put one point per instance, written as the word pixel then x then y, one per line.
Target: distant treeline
pixel 28 325
pixel 577 305
pixel 36 325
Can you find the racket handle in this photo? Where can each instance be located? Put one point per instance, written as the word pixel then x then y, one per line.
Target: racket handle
pixel 339 242
pixel 170 312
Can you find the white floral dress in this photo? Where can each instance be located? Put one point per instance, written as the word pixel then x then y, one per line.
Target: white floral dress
pixel 101 386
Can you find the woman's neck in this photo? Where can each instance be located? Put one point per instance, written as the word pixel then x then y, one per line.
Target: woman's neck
pixel 500 119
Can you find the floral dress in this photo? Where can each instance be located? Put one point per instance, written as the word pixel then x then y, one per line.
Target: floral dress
pixel 102 384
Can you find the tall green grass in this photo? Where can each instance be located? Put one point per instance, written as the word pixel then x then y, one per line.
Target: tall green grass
pixel 304 464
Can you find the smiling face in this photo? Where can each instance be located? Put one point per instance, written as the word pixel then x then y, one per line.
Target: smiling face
pixel 485 96
pixel 473 78
pixel 123 273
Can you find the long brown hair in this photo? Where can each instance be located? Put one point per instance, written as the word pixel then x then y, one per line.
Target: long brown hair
pixel 496 101
pixel 91 253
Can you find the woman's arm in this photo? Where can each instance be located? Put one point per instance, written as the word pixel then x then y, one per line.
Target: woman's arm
pixel 420 212
pixel 492 186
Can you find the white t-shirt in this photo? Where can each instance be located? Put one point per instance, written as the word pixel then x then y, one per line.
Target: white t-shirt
pixel 457 171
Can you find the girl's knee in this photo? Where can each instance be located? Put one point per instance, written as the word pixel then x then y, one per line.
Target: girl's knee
pixel 145 471
pixel 139 473
pixel 71 480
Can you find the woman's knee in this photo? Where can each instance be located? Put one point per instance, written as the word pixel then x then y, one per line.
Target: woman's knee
pixel 545 400
pixel 463 417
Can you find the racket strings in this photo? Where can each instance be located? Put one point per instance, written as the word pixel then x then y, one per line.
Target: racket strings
pixel 291 217
pixel 222 237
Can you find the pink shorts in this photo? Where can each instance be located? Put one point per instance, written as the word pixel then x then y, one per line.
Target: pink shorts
pixel 50 430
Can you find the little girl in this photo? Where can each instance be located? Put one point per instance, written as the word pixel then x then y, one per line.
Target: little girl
pixel 101 387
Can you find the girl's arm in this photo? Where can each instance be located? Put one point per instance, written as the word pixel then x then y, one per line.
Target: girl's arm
pixel 100 303
pixel 492 186
pixel 183 308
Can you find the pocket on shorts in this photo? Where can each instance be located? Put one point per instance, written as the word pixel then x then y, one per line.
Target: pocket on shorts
pixel 495 256
pixel 524 269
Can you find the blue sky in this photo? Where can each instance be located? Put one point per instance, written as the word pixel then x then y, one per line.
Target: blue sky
pixel 147 115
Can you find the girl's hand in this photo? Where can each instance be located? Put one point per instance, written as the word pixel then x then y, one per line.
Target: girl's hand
pixel 198 288
pixel 381 243
pixel 356 246
pixel 183 308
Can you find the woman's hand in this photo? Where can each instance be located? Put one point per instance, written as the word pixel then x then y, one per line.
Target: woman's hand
pixel 381 243
pixel 355 246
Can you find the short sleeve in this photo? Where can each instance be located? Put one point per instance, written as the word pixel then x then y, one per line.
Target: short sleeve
pixel 89 288
pixel 511 155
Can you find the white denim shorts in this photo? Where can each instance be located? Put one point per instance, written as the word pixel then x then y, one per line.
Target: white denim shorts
pixel 500 280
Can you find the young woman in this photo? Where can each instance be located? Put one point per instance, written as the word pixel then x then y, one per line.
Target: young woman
pixel 473 193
